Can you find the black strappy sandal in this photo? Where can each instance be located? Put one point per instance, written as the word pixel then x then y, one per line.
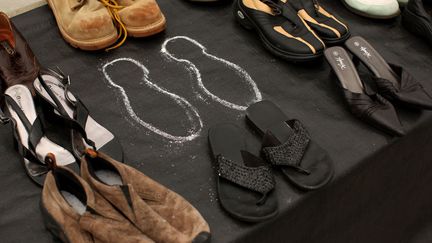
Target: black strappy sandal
pixel 245 183
pixel 287 145
pixel 392 81
pixel 53 90
pixel 29 134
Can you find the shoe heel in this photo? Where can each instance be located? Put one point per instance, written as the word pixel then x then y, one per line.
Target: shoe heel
pixel 241 17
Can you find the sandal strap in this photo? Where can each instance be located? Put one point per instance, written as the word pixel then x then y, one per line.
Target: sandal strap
pixel 81 112
pixel 35 167
pixel 259 179
pixel 289 153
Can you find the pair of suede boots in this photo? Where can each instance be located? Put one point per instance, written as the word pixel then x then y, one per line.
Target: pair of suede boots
pixel 105 24
pixel 113 202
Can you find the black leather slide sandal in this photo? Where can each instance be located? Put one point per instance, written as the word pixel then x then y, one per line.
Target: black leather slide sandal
pixel 393 82
pixel 288 146
pixel 362 101
pixel 245 183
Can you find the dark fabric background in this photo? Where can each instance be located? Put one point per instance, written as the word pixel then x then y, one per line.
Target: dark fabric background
pixel 379 194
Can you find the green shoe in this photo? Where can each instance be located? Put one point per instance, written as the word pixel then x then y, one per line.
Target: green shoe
pixel 376 9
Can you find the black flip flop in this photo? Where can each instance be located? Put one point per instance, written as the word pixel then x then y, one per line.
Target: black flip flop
pixel 245 183
pixel 287 145
pixel 393 82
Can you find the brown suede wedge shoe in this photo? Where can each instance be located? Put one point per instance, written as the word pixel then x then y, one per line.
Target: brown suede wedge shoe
pixel 85 24
pixel 141 17
pixel 158 212
pixel 18 65
pixel 74 213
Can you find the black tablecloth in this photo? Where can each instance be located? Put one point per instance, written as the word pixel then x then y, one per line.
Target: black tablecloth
pixel 381 191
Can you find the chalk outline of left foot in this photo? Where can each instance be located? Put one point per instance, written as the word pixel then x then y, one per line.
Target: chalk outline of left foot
pixel 196 72
pixel 191 112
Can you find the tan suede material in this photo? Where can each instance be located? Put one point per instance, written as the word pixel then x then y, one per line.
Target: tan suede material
pixel 100 223
pixel 149 197
pixel 88 22
pixel 140 13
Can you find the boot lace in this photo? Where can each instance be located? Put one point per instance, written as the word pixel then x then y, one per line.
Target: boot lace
pixel 113 8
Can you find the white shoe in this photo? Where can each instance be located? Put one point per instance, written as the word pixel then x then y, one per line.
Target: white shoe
pixel 377 9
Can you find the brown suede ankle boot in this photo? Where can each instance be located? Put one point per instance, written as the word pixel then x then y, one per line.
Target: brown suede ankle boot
pixel 141 17
pixel 18 65
pixel 74 213
pixel 158 212
pixel 85 24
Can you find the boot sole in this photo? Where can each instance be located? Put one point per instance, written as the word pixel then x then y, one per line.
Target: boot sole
pixel 89 45
pixel 149 30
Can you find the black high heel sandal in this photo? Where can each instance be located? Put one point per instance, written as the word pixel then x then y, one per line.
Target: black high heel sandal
pixel 29 134
pixel 52 87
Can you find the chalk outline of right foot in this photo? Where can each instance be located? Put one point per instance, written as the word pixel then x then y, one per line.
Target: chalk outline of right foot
pixel 194 71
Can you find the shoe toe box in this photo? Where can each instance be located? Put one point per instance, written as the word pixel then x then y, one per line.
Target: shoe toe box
pixel 141 14
pixel 91 26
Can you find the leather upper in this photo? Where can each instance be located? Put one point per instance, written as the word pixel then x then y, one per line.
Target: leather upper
pixel 18 65
pixel 408 91
pixel 139 13
pixel 99 223
pixel 375 109
pixel 157 211
pixel 84 20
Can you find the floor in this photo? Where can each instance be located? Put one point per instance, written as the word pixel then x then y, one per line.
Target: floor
pixel 16 7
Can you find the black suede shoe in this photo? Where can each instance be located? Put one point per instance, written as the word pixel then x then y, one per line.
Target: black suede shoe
pixel 280 28
pixel 417 18
pixel 362 101
pixel 329 28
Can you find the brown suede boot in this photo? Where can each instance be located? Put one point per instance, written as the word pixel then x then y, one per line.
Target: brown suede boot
pixel 160 213
pixel 74 213
pixel 141 17
pixel 85 24
pixel 18 65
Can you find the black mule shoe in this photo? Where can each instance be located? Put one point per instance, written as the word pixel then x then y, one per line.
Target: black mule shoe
pixel 52 89
pixel 245 183
pixel 280 28
pixel 392 81
pixel 328 27
pixel 287 146
pixel 29 134
pixel 362 101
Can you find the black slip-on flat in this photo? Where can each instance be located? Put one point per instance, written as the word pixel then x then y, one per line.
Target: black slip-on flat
pixel 245 183
pixel 288 146
pixel 280 29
